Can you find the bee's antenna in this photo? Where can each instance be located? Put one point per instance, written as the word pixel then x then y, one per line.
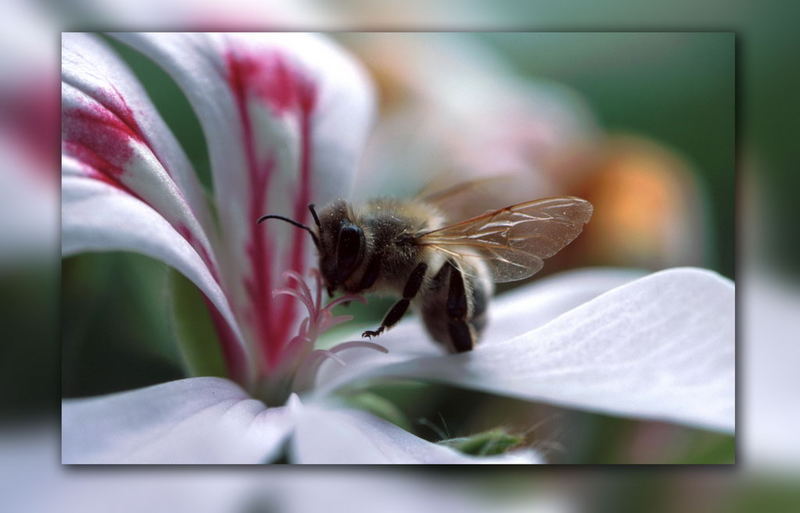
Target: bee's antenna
pixel 295 223
pixel 314 215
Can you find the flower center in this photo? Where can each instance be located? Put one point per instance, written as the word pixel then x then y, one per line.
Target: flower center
pixel 300 360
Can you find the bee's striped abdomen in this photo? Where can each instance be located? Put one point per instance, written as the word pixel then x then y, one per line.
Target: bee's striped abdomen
pixel 454 309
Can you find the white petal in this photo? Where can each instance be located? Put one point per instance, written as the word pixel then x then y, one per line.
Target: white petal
pixel 339 436
pixel 661 347
pixel 99 217
pixel 285 117
pixel 113 130
pixel 196 420
pixel 510 315
pixel 529 307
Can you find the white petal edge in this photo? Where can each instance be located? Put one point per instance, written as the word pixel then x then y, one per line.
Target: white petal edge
pixel 324 435
pixel 195 420
pixel 92 72
pixel 98 217
pixel 510 315
pixel 661 347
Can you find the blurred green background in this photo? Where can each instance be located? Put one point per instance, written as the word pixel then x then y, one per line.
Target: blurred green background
pixel 675 88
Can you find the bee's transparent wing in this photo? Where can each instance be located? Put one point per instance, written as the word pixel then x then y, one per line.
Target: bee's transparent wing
pixel 514 240
pixel 462 191
pixel 468 198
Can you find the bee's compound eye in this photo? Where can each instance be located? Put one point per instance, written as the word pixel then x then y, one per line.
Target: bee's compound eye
pixel 348 249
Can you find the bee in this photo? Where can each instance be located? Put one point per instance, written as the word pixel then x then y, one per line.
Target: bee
pixel 446 271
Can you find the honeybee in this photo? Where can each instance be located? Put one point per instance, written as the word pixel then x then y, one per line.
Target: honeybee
pixel 446 271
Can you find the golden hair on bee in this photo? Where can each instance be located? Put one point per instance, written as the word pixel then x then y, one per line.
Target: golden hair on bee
pixel 446 271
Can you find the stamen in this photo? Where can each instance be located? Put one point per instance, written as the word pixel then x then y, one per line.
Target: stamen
pixel 300 297
pixel 292 275
pixel 329 322
pixel 301 337
pixel 298 354
pixel 325 353
pixel 358 343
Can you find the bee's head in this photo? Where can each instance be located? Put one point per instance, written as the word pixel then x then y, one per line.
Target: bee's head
pixel 341 244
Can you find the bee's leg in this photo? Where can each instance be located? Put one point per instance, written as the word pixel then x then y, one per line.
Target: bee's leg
pixel 396 312
pixel 460 335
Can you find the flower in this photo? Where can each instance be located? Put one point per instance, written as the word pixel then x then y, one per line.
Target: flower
pixel 285 117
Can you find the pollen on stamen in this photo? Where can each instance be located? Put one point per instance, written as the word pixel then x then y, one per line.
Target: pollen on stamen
pixel 298 354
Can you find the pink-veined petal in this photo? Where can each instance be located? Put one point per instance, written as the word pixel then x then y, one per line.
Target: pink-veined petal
pixel 112 129
pixel 285 117
pixel 660 347
pixel 324 435
pixel 195 420
pixel 99 217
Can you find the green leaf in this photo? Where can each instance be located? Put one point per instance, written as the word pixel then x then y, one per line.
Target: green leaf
pixel 488 443
pixel 378 406
pixel 198 345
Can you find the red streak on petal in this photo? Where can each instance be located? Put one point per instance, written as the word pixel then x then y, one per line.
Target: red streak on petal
pixel 273 79
pixel 258 285
pixel 231 349
pixel 105 133
pixel 102 134
pixel 116 104
pixel 102 141
pixel 101 137
pixel 201 250
pixel 99 168
pixel 287 91
pixel 303 198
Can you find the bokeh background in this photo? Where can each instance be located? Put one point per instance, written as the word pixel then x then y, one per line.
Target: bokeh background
pixel 640 124
pixel 768 254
